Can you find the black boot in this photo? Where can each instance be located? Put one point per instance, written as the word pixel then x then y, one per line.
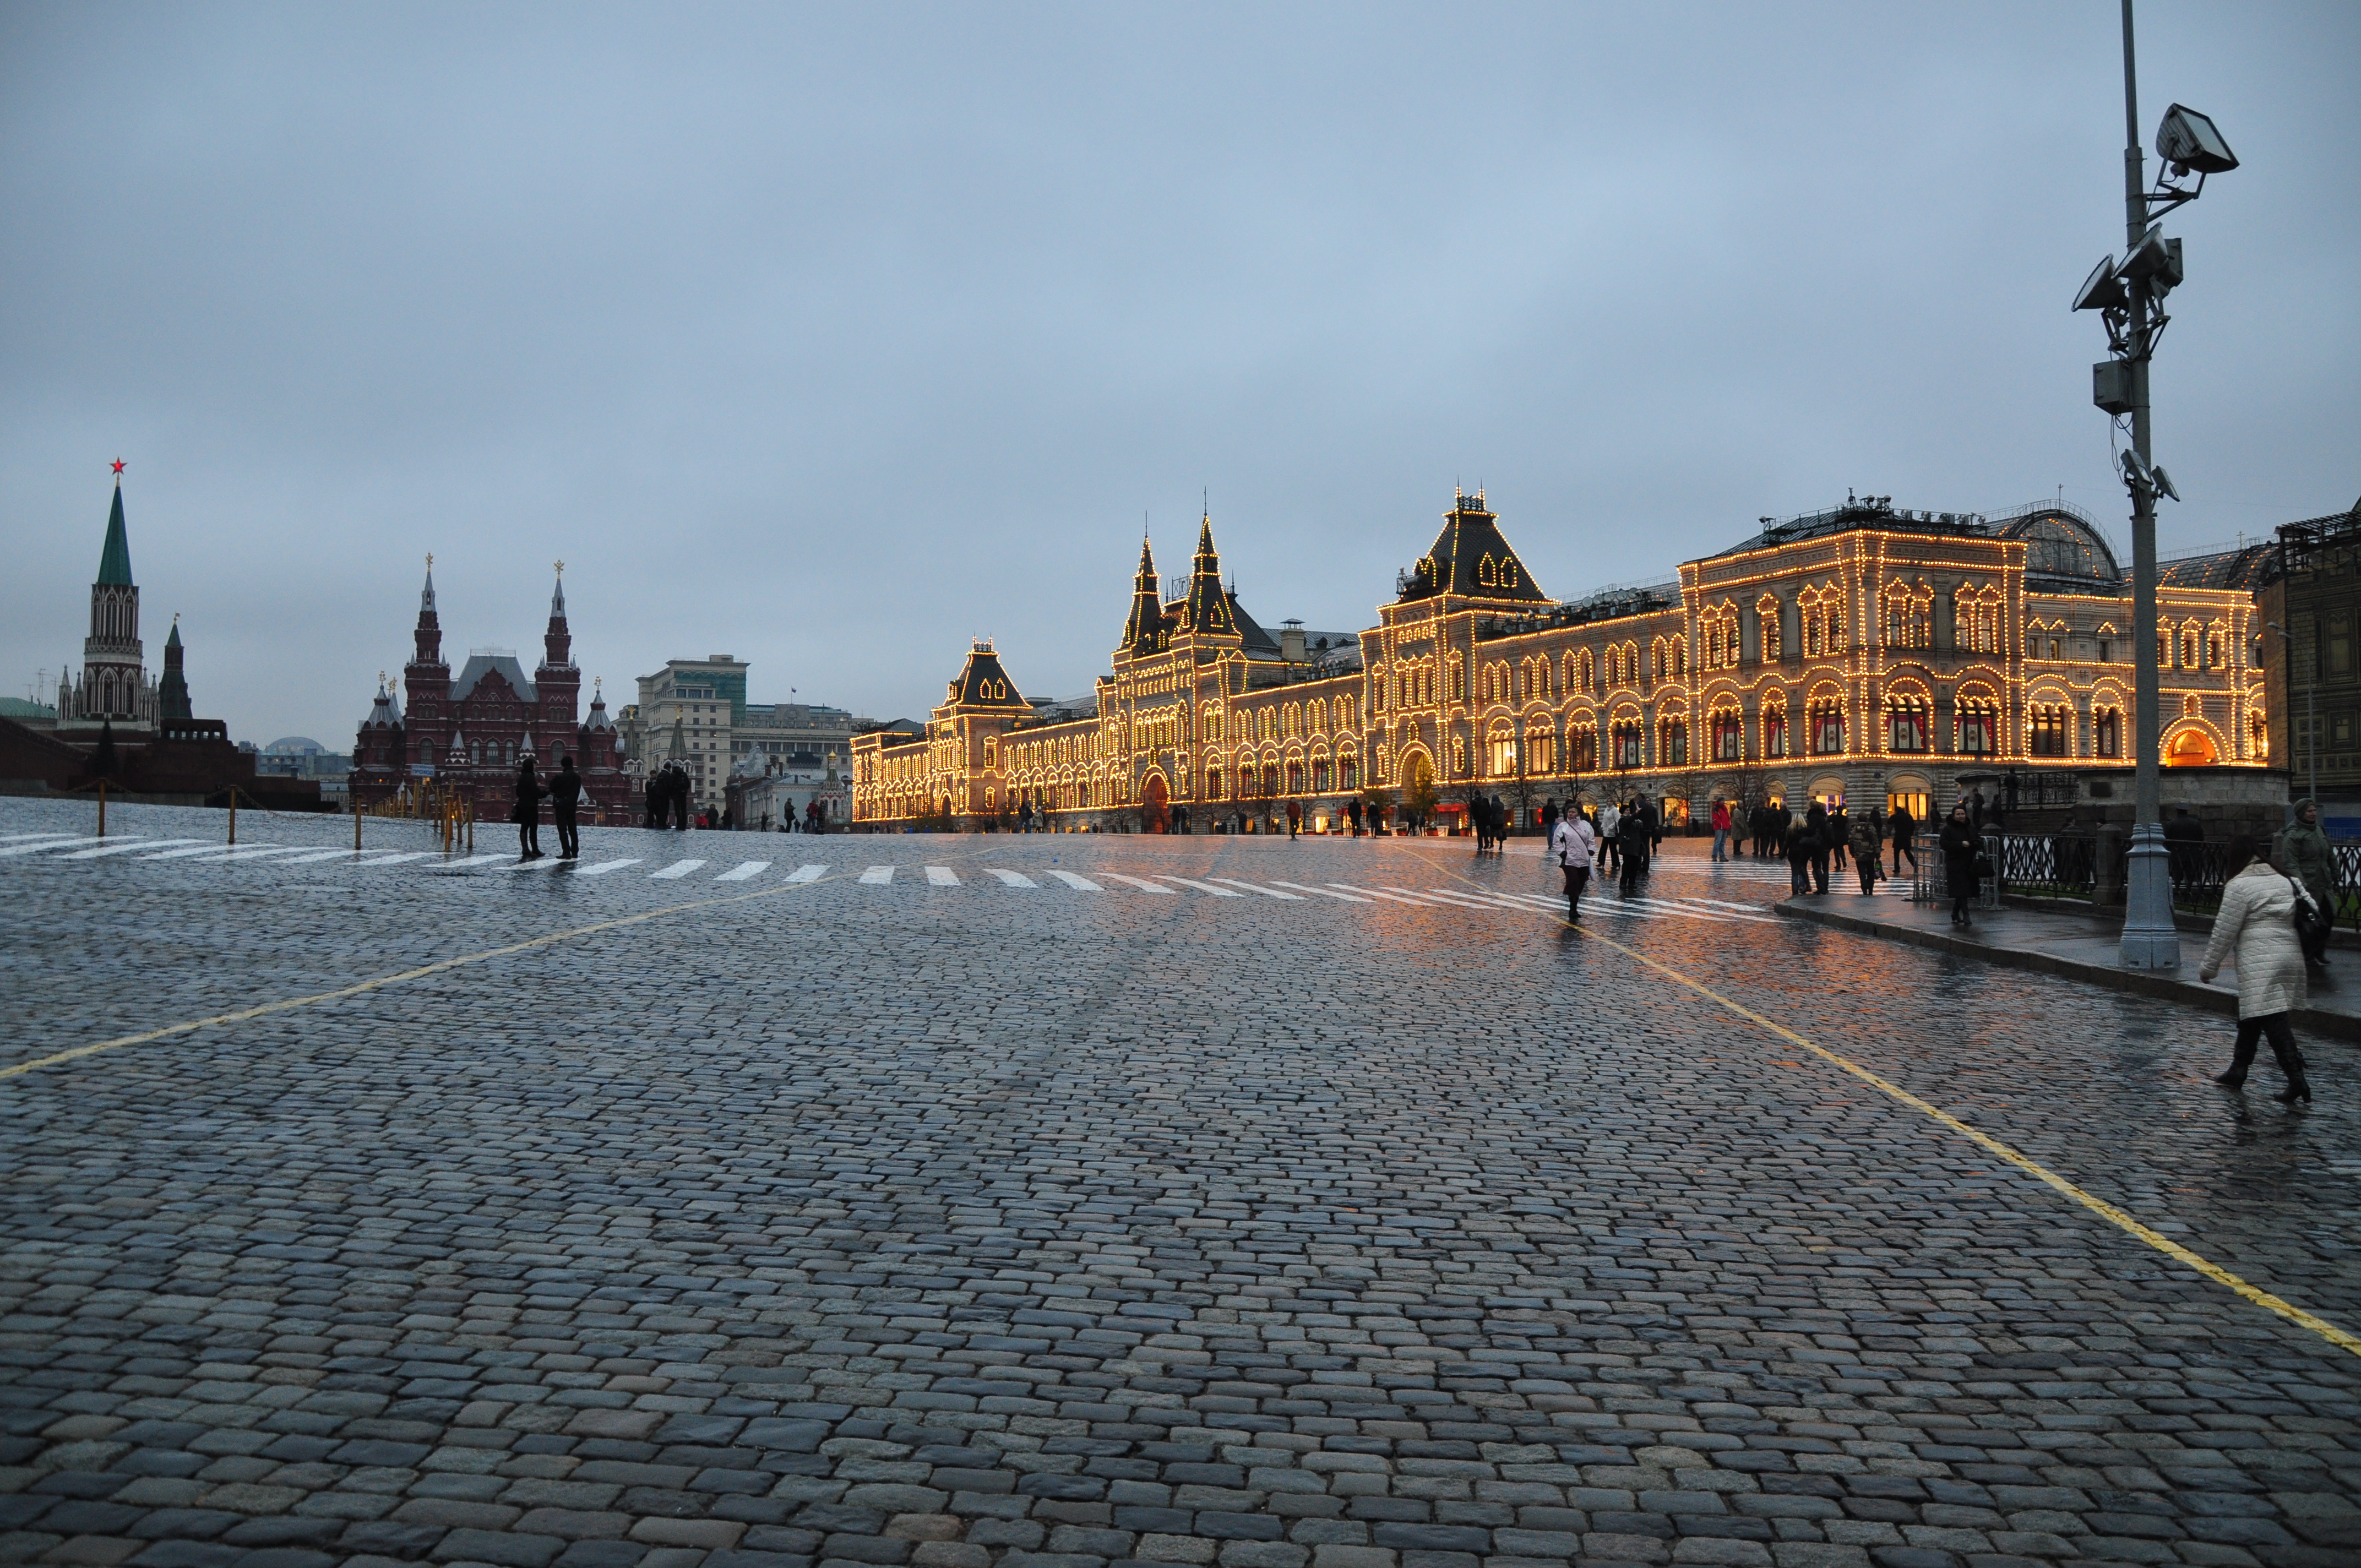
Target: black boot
pixel 2234 1079
pixel 2296 1089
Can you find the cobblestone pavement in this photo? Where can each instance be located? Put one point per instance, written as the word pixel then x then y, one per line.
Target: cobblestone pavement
pixel 978 1217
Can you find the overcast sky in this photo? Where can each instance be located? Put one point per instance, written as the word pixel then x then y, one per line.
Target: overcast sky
pixel 829 337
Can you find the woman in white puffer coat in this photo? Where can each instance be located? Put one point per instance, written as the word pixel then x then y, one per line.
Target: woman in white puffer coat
pixel 2255 931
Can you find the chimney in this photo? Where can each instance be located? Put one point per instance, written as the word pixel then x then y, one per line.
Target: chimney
pixel 1290 642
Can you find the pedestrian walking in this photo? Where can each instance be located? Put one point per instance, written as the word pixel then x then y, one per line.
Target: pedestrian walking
pixel 1631 849
pixel 1576 848
pixel 1352 816
pixel 564 800
pixel 1799 847
pixel 1294 819
pixel 1816 828
pixel 527 815
pixel 1962 847
pixel 1721 830
pixel 1868 856
pixel 2257 931
pixel 2302 850
pixel 1840 834
pixel 658 803
pixel 1611 843
pixel 1903 827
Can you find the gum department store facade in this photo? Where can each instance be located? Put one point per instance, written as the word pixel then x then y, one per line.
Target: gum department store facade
pixel 1864 652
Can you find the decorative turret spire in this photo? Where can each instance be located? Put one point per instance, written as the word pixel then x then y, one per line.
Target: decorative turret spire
pixel 429 631
pixel 172 694
pixel 1146 619
pixel 1207 612
pixel 114 560
pixel 557 642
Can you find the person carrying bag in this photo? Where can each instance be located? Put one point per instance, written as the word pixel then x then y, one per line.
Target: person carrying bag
pixel 1575 847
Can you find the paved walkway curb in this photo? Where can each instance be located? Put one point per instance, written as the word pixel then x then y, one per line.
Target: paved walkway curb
pixel 2212 999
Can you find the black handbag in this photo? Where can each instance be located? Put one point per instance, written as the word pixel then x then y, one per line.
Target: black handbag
pixel 2311 921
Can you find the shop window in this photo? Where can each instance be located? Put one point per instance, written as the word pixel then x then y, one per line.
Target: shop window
pixel 1828 729
pixel 2048 733
pixel 1979 730
pixel 1905 724
pixel 1728 738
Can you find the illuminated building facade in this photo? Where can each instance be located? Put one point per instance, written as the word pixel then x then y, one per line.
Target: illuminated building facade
pixel 1863 652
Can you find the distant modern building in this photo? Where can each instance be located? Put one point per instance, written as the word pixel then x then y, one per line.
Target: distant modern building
pixel 467 735
pixel 695 711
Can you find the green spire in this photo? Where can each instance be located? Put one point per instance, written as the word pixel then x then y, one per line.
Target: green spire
pixel 114 563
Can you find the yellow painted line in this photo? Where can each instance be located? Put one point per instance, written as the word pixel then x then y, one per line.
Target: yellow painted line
pixel 289 1003
pixel 2031 1167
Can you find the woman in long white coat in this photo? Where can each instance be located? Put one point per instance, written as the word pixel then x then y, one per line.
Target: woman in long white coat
pixel 2255 931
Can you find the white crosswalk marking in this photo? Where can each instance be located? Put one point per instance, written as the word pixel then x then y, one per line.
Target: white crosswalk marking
pixel 1266 892
pixel 1204 887
pixel 877 876
pixel 318 855
pixel 941 876
pixel 383 860
pixel 1014 879
pixel 677 869
pixel 1386 897
pixel 1072 880
pixel 501 859
pixel 22 838
pixel 806 873
pixel 106 849
pixel 255 852
pixel 1140 882
pixel 545 864
pixel 1465 900
pixel 54 843
pixel 1347 897
pixel 746 870
pixel 603 867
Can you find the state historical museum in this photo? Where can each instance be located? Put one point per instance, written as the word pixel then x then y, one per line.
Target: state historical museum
pixel 467 735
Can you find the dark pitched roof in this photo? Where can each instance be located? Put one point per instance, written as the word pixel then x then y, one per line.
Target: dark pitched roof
pixel 478 666
pixel 1258 643
pixel 983 684
pixel 115 560
pixel 1471 558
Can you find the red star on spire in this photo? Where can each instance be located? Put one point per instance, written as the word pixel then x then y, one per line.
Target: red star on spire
pixel 119 467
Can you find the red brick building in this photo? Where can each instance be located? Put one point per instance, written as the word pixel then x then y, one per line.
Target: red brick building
pixel 467 735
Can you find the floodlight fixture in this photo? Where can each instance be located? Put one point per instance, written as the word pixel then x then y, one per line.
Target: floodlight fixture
pixel 2155 258
pixel 2103 289
pixel 2188 140
pixel 2163 482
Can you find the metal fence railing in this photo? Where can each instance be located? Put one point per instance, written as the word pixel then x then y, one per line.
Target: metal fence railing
pixel 2066 865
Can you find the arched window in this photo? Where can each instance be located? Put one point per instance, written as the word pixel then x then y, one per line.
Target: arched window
pixel 1728 735
pixel 2049 729
pixel 1766 622
pixel 1909 615
pixel 1905 724
pixel 1822 610
pixel 2189 646
pixel 1978 727
pixel 1673 743
pixel 1827 718
pixel 1774 730
pixel 1975 617
pixel 1582 750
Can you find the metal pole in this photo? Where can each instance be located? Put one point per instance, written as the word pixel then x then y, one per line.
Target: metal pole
pixel 2149 940
pixel 102 808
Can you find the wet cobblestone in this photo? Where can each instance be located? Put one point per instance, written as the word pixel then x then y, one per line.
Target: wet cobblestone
pixel 970 1225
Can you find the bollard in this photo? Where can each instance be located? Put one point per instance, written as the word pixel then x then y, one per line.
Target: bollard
pixel 102 808
pixel 357 826
pixel 233 815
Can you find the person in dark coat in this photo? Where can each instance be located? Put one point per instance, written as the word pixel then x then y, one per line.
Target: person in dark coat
pixel 564 800
pixel 1840 834
pixel 1960 844
pixel 527 815
pixel 658 801
pixel 1904 828
pixel 2182 836
pixel 1631 831
pixel 1801 843
pixel 1816 828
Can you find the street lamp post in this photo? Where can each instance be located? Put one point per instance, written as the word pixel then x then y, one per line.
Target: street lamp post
pixel 2131 300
